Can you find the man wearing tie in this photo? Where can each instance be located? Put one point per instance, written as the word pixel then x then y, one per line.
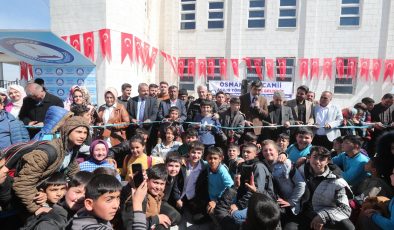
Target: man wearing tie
pixel 142 108
pixel 254 106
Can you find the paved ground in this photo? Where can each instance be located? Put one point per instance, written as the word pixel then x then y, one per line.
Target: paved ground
pixel 186 224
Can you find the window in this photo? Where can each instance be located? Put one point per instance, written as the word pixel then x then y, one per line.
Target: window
pixel 216 76
pixel 290 69
pixel 256 17
pixel 345 85
pixel 251 73
pixel 186 81
pixel 287 14
pixel 215 14
pixel 350 13
pixel 188 14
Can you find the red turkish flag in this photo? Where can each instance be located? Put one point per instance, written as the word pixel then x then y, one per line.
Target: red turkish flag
pixel 24 70
pixel 191 66
pixel 303 67
pixel 340 67
pixel 75 42
pixel 248 62
pixel 234 64
pixel 174 63
pixel 105 43
pixel 388 70
pixel 64 38
pixel 152 58
pixel 327 68
pixel 88 45
pixel 257 64
pixel 269 65
pixel 211 67
pixel 126 46
pixel 352 67
pixel 376 67
pixel 202 67
pixel 181 66
pixel 364 69
pixel 164 54
pixel 145 54
pixel 314 67
pixel 282 67
pixel 30 70
pixel 223 67
pixel 138 49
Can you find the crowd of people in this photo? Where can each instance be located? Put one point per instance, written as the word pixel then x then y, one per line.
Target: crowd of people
pixel 162 158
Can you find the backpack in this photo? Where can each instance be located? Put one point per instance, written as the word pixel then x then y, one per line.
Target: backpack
pixel 15 152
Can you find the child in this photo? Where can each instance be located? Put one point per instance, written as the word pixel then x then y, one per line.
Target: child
pixel 169 144
pixel 98 155
pixel 190 136
pixel 157 177
pixel 209 125
pixel 56 218
pixel 263 213
pixel 337 146
pixel 137 156
pixel 251 169
pixel 218 177
pixel 54 187
pixel 298 152
pixel 289 183
pixel 75 194
pixel 233 118
pixel 172 120
pixel 373 185
pixel 102 200
pixel 234 159
pixel 283 141
pixel 194 194
pixel 172 194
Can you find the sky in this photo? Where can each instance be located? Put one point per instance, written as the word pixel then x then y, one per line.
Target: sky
pixel 22 14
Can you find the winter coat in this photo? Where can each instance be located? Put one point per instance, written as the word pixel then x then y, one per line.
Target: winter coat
pixel 237 121
pixel 119 115
pixel 35 166
pixel 330 198
pixel 84 220
pixel 12 128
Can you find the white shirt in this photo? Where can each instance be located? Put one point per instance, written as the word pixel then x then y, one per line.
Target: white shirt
pixel 107 112
pixel 321 119
pixel 173 102
pixel 189 188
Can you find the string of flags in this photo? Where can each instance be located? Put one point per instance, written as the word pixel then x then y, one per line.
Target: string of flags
pixel 142 53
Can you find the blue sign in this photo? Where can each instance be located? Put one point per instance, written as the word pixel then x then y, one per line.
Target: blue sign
pixel 40 48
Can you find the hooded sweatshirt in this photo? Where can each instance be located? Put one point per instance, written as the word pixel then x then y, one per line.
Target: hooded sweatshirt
pixel 35 167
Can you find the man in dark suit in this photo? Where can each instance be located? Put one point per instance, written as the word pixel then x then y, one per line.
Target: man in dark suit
pixel 142 108
pixel 165 105
pixel 278 114
pixel 36 105
pixel 194 107
pixel 254 106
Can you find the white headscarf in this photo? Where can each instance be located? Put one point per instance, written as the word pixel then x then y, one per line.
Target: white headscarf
pixel 22 92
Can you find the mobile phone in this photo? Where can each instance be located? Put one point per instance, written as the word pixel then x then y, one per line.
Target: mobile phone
pixel 138 177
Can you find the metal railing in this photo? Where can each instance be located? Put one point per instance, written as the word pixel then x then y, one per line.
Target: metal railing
pixel 6 83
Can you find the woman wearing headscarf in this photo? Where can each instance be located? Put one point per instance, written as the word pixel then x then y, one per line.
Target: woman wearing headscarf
pixel 70 99
pixel 113 113
pixel 16 93
pixel 80 97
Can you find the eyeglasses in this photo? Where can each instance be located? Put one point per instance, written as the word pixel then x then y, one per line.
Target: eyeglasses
pixel 78 97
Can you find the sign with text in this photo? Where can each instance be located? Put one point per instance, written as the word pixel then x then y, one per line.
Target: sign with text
pixel 234 87
pixel 59 80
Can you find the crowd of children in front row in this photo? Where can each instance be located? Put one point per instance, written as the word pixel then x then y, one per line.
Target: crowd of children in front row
pixel 267 185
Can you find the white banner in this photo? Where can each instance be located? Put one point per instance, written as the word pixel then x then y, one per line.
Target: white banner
pixel 269 87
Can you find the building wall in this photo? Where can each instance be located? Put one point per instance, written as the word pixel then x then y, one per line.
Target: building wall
pixel 317 35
